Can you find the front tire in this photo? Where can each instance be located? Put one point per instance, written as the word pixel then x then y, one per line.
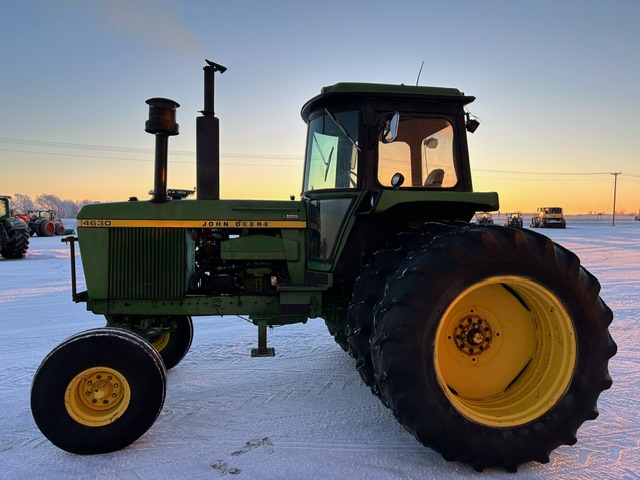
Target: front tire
pixel 174 345
pixel 492 346
pixel 98 391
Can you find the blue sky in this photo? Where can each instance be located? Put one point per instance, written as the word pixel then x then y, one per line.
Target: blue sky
pixel 556 86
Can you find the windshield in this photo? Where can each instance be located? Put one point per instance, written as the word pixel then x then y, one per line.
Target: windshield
pixel 332 151
pixel 423 153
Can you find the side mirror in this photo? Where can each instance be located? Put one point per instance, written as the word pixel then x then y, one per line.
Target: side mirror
pixel 390 130
pixel 471 124
pixel 397 180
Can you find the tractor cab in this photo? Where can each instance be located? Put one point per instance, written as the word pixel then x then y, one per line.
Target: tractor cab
pixel 376 136
pixel 375 154
pixel 4 206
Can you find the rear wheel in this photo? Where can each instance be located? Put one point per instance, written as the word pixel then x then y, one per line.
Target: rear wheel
pixel 367 292
pixel 17 246
pixel 492 346
pixel 98 391
pixel 46 228
pixel 338 336
pixel 369 288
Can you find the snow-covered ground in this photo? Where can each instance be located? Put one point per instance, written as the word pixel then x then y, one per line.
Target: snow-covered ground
pixel 303 413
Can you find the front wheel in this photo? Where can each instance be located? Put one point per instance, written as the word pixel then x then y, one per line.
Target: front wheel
pixel 171 336
pixel 492 346
pixel 98 391
pixel 174 345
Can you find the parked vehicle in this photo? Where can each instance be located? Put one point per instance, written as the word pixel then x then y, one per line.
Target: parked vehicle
pixel 549 217
pixel 45 223
pixel 480 339
pixel 484 219
pixel 514 220
pixel 14 237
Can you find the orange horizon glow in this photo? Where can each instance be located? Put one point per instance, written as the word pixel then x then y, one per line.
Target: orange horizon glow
pixel 269 183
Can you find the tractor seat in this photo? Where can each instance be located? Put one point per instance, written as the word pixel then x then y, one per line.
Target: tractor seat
pixel 435 178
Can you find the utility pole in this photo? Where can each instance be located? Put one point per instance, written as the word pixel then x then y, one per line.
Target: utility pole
pixel 615 184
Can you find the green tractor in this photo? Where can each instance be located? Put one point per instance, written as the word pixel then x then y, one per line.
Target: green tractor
pixel 514 220
pixel 489 344
pixel 14 235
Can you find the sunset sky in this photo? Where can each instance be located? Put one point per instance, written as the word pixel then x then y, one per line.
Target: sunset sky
pixel 556 85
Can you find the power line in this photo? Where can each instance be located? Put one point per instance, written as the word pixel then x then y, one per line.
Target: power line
pixel 297 158
pixel 150 159
pixel 107 148
pixel 538 173
pixel 528 179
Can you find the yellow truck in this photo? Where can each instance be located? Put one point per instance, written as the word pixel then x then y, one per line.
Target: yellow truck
pixel 549 217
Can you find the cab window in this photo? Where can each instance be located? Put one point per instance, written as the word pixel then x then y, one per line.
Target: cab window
pixel 332 151
pixel 423 153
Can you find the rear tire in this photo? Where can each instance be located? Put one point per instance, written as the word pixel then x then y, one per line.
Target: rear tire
pixel 491 347
pixel 18 246
pixel 369 288
pixel 98 391
pixel 338 336
pixel 46 228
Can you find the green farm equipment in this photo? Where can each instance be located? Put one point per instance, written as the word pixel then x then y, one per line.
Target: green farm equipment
pixel 14 236
pixel 489 344
pixel 484 219
pixel 514 220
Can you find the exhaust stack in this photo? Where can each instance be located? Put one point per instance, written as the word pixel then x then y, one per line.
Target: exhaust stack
pixel 208 140
pixel 162 124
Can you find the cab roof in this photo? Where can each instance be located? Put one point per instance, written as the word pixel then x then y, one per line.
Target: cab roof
pixel 345 90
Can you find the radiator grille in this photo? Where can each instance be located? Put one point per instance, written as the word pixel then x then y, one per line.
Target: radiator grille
pixel 146 263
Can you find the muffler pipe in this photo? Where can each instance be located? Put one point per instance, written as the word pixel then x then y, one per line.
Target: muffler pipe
pixel 208 140
pixel 162 124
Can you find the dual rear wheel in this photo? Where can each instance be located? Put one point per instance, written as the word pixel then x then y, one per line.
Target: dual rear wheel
pixel 489 344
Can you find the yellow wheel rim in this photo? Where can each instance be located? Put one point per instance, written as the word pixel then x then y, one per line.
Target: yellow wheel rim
pixel 97 396
pixel 161 341
pixel 505 351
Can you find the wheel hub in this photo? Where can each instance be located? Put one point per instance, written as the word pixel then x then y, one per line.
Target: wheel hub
pixel 100 391
pixel 97 396
pixel 472 335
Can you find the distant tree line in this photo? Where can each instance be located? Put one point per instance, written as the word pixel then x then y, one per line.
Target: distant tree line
pixel 62 208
